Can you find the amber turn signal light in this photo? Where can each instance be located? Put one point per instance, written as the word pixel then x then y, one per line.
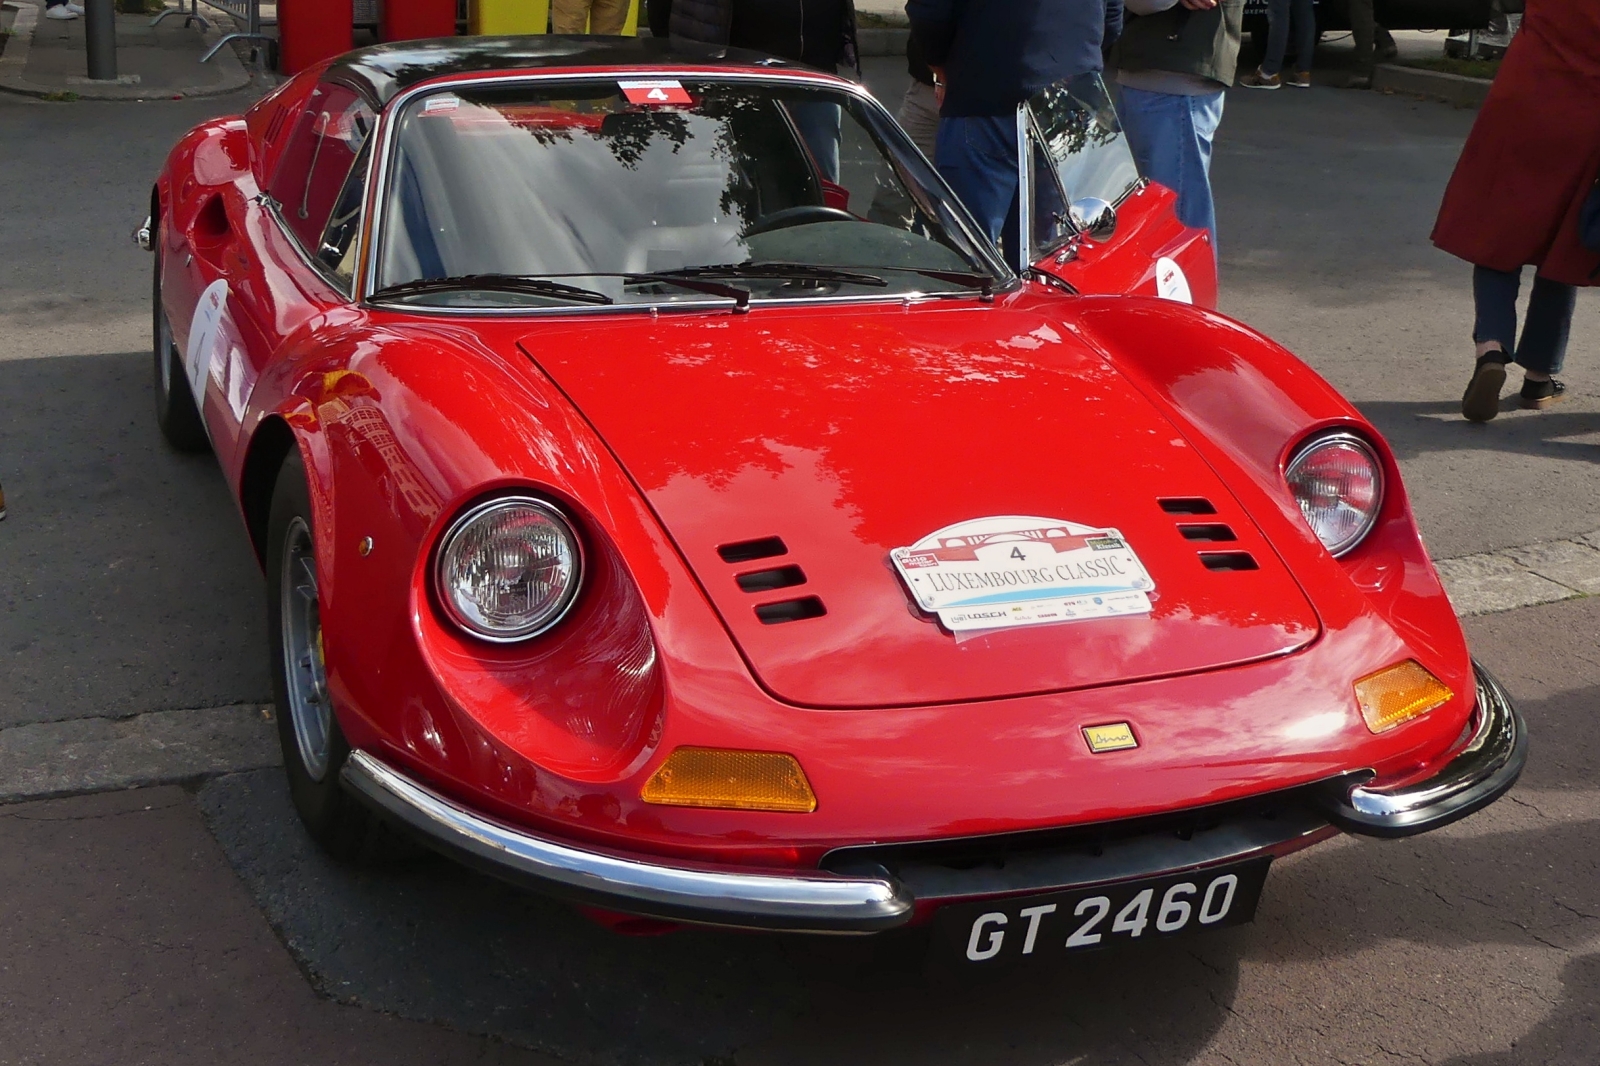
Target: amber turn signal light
pixel 736 780
pixel 1398 694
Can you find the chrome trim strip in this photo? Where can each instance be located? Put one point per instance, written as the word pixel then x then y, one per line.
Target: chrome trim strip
pixel 803 902
pixel 1476 776
pixel 383 152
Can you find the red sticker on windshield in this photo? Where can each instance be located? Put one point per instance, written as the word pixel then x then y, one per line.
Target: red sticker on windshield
pixel 654 92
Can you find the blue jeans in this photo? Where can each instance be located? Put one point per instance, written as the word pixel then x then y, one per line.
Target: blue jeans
pixel 978 157
pixel 1171 140
pixel 1544 334
pixel 1279 15
pixel 819 124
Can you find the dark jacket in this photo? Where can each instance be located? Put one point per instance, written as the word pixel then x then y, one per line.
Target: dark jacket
pixel 997 53
pixel 1204 43
pixel 819 33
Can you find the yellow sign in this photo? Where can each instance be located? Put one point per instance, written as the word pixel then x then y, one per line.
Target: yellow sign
pixel 1113 737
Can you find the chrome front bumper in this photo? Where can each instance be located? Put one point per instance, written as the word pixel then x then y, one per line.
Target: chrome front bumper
pixel 811 902
pixel 868 889
pixel 1480 773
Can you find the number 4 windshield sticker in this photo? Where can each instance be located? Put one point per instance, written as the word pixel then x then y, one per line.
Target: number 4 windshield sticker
pixel 654 92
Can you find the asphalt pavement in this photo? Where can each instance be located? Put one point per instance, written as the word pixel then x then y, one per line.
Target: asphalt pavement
pixel 193 923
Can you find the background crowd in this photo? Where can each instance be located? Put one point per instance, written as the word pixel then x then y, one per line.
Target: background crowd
pixel 1525 192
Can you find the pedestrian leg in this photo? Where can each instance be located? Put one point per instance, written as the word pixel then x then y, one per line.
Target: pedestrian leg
pixel 1362 28
pixel 1543 349
pixel 569 16
pixel 1305 26
pixel 1278 16
pixel 1171 135
pixel 609 17
pixel 978 157
pixel 1494 330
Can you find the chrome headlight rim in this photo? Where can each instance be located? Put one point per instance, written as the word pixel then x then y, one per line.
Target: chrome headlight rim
pixel 470 515
pixel 1319 441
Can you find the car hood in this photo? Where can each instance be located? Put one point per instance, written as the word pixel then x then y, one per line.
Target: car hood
pixel 847 433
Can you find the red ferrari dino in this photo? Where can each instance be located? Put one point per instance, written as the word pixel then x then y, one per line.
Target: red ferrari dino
pixel 668 500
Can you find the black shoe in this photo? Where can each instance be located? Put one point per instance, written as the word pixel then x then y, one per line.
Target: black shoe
pixel 1537 395
pixel 1481 401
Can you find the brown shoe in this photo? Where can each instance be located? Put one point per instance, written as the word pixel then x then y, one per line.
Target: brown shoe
pixel 1300 79
pixel 1481 401
pixel 1257 80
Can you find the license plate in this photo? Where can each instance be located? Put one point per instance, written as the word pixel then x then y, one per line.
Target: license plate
pixel 1108 915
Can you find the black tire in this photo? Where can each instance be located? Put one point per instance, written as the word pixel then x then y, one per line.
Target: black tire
pixel 339 823
pixel 176 412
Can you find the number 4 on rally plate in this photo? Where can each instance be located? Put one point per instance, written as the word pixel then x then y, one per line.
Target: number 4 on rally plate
pixel 655 91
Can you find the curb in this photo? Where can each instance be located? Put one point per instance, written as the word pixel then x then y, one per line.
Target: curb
pixel 14 62
pixel 1456 89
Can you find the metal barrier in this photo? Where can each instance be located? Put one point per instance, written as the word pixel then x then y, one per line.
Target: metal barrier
pixel 245 12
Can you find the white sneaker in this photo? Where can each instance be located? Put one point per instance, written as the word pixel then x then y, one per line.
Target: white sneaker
pixel 74 7
pixel 60 12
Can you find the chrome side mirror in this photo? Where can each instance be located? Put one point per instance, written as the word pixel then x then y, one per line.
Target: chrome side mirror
pixel 1094 218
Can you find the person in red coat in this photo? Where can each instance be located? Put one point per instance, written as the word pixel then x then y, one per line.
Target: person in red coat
pixel 1513 201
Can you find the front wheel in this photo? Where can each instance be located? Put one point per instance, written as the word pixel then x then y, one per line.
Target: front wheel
pixel 314 748
pixel 176 412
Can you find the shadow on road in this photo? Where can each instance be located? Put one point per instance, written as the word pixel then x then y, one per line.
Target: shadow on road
pixel 1417 428
pixel 1568 1037
pixel 430 940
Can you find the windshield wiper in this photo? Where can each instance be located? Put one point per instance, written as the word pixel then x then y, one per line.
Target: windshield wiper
pixel 740 297
pixel 514 283
pixel 779 272
pixel 970 279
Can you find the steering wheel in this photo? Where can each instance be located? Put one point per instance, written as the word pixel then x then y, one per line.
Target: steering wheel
pixel 800 215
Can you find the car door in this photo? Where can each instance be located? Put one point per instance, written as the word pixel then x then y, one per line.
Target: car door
pixel 1089 218
pixel 268 271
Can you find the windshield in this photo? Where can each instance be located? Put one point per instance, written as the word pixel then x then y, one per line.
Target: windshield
pixel 595 183
pixel 1077 127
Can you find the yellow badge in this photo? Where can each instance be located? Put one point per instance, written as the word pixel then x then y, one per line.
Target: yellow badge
pixel 1113 737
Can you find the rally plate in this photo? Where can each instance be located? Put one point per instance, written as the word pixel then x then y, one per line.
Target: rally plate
pixel 1084 919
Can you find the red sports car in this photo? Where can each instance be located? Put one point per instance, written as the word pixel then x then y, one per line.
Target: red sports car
pixel 669 501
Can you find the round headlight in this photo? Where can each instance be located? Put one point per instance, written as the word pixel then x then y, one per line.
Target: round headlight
pixel 509 569
pixel 1338 482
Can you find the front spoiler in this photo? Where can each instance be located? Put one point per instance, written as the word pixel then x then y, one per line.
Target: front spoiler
pixel 1476 776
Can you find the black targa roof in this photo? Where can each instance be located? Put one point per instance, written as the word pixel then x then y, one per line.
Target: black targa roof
pixel 383 71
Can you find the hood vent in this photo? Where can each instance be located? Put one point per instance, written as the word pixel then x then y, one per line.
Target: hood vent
pixel 779 577
pixel 1212 531
pixel 1229 561
pixel 747 551
pixel 772 614
pixel 1186 505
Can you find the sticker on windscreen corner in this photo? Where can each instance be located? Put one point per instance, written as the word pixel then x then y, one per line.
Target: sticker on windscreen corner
pixel 655 91
pixel 443 103
pixel 1017 570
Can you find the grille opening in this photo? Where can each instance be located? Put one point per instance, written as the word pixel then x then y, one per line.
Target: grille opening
pixel 1229 561
pixel 773 614
pixel 744 551
pixel 1206 531
pixel 1186 505
pixel 779 577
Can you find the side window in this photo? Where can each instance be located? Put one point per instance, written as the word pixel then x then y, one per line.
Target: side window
pixel 337 249
pixel 312 174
